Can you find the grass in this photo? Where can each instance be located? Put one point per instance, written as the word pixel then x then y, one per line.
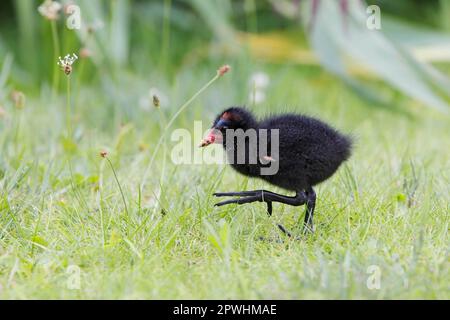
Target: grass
pixel 60 205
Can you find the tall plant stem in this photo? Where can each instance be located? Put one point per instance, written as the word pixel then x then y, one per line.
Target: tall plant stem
pixel 79 77
pixel 163 124
pixel 68 110
pixel 56 54
pixel 171 121
pixel 120 187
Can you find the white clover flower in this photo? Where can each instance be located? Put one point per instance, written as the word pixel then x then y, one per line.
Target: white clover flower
pixel 50 9
pixel 258 83
pixel 67 62
pixel 144 103
pixel 259 80
pixel 257 96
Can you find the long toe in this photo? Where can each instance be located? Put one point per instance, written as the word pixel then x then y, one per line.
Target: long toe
pixel 283 229
pixel 238 201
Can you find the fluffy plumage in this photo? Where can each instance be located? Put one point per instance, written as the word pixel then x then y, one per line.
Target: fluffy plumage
pixel 310 151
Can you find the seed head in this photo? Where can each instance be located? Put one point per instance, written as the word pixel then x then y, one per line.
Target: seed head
pixel 223 69
pixel 155 98
pixel 67 62
pixel 142 146
pixel 68 8
pixel 50 9
pixel 156 101
pixel 103 153
pixel 85 53
pixel 18 98
pixel 96 25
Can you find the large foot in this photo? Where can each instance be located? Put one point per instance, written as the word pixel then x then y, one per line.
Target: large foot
pixel 261 196
pixel 307 197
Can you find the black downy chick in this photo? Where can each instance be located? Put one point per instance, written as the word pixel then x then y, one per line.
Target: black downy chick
pixel 309 152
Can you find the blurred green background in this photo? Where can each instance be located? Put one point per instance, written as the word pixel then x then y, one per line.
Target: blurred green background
pixel 161 39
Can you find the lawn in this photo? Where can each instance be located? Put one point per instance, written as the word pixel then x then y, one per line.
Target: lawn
pixel 65 232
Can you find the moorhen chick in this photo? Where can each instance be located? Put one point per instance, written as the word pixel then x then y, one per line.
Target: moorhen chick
pixel 304 152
